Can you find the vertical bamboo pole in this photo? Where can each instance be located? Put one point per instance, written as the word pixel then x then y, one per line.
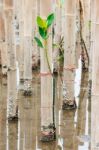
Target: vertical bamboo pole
pixel 35 51
pixel 57 33
pixel 95 54
pixel 69 54
pixel 12 95
pixel 2 40
pixel 87 23
pixel 46 77
pixel 95 75
pixel 20 15
pixel 16 28
pixel 10 40
pixel 84 34
pixel 28 42
pixel 78 41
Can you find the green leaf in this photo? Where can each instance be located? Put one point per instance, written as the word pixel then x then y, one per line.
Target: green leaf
pixel 41 22
pixel 43 33
pixel 39 43
pixel 50 19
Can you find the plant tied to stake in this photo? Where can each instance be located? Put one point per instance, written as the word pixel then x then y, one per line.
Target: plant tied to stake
pixel 43 26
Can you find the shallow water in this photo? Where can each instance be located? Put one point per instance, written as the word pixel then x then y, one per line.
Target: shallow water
pixel 73 128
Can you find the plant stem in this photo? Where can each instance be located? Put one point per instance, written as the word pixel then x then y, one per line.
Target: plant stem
pixel 46 54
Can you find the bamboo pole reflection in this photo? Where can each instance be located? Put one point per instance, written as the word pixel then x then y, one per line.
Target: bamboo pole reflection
pixel 3 99
pixel 12 130
pixel 67 130
pixel 27 124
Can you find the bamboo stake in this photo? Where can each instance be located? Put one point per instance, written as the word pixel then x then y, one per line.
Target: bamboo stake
pixel 2 41
pixel 10 41
pixel 28 42
pixel 12 95
pixel 35 51
pixel 57 34
pixel 84 53
pixel 21 35
pixel 87 23
pixel 69 53
pixel 95 75
pixel 95 53
pixel 78 41
pixel 46 81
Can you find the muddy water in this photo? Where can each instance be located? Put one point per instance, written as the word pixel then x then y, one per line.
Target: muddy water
pixel 73 128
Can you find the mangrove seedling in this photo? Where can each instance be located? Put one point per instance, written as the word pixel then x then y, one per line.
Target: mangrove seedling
pixel 43 27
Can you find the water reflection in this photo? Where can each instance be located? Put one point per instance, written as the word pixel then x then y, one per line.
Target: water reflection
pixel 83 115
pixel 72 127
pixel 3 108
pixel 12 138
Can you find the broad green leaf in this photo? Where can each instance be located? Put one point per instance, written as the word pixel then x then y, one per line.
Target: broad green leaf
pixel 41 22
pixel 43 33
pixel 45 23
pixel 39 43
pixel 50 19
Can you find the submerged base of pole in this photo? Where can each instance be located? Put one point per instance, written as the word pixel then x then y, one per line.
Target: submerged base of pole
pixel 48 133
pixel 27 88
pixel 84 69
pixel 35 68
pixel 27 92
pixel 4 75
pixel 67 106
pixel 21 80
pixel 13 118
pixel 55 71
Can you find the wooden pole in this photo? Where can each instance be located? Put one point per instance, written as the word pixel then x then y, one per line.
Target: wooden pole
pixel 46 77
pixel 57 27
pixel 28 42
pixel 95 75
pixel 78 40
pixel 68 28
pixel 20 15
pixel 87 23
pixel 11 50
pixel 3 47
pixel 35 49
